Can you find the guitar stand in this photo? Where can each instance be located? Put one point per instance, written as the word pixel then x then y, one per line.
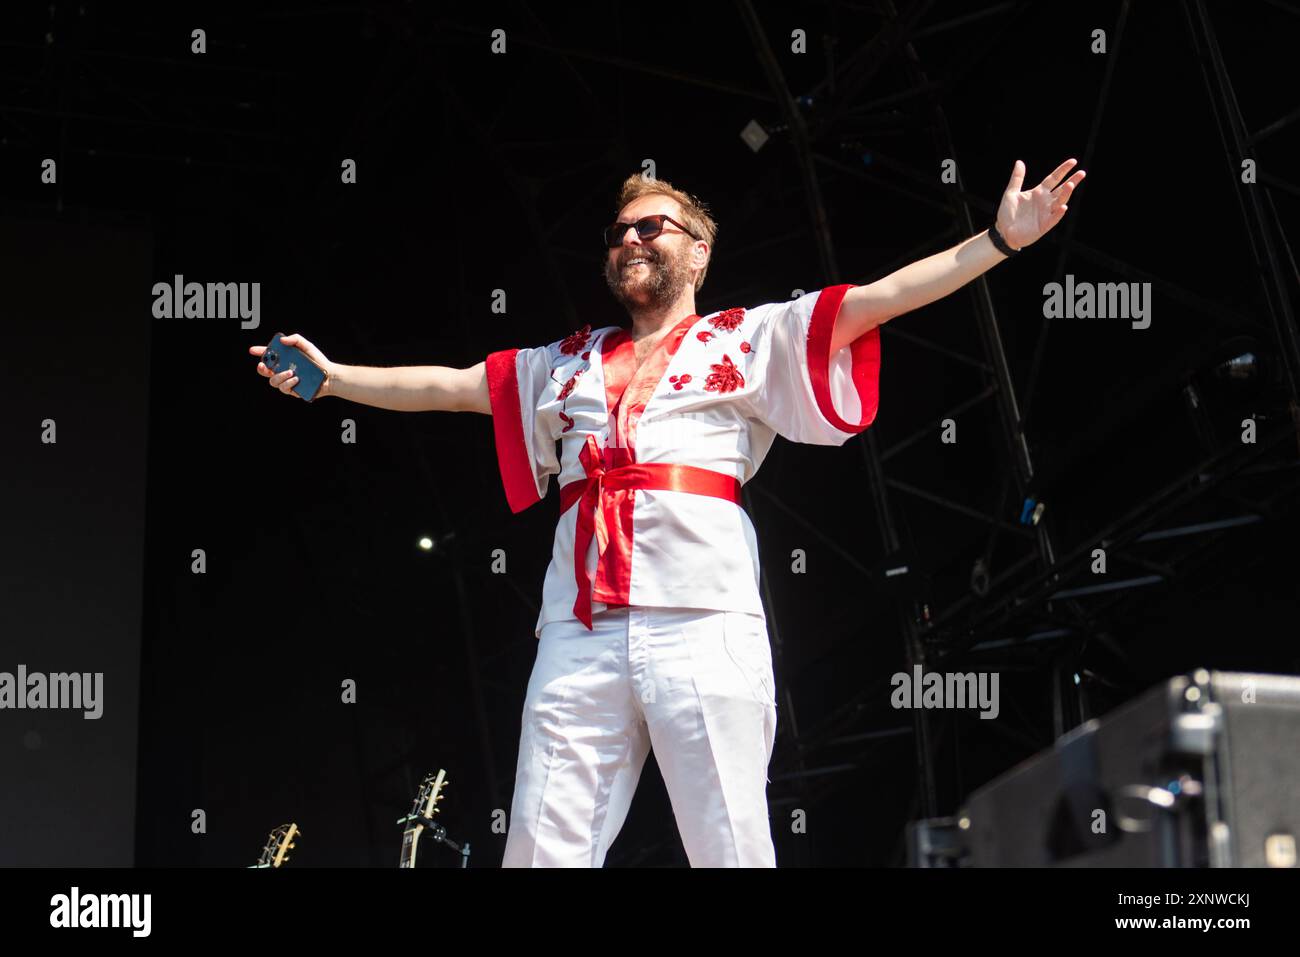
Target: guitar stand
pixel 436 832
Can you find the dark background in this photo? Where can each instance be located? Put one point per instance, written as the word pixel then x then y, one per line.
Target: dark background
pixel 479 172
pixel 74 532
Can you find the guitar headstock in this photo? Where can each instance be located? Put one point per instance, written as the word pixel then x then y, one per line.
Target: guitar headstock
pixel 278 845
pixel 423 808
pixel 426 800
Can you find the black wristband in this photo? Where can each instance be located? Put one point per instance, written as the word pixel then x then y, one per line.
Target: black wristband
pixel 999 242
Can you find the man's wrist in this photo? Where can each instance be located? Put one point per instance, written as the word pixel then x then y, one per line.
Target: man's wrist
pixel 333 379
pixel 1000 242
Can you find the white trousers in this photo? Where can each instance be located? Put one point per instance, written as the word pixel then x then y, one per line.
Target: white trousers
pixel 695 685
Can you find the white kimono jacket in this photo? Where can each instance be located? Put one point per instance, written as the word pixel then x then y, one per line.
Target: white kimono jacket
pixel 651 460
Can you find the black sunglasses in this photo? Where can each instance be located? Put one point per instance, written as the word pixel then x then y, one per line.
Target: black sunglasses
pixel 647 227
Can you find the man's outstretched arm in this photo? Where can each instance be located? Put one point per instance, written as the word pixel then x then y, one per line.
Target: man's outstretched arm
pixel 1023 218
pixel 400 388
pixel 413 388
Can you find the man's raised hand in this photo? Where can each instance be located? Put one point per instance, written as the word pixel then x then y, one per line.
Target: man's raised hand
pixel 1024 216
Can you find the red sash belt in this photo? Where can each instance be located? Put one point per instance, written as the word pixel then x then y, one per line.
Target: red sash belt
pixel 611 479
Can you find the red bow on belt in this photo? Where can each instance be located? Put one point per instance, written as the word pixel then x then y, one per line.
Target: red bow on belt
pixel 611 479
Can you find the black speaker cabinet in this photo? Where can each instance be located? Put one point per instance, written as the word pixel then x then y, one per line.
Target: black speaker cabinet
pixel 1200 771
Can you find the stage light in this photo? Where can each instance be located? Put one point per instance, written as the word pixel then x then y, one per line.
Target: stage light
pixel 754 135
pixel 437 544
pixel 1239 379
pixel 1246 368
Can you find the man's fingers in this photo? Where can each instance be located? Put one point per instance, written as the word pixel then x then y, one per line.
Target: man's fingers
pixel 1052 179
pixel 1062 193
pixel 1070 183
pixel 286 380
pixel 1017 177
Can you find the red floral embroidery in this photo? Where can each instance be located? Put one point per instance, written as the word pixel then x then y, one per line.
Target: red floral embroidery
pixel 679 380
pixel 568 386
pixel 745 347
pixel 568 422
pixel 728 320
pixel 725 377
pixel 573 343
pixel 704 336
pixel 586 355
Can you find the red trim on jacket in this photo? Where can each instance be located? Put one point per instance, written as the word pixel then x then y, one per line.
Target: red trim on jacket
pixel 864 352
pixel 517 475
pixel 647 379
pixel 617 363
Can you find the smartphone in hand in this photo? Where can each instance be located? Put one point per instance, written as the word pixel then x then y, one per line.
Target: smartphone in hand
pixel 281 358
